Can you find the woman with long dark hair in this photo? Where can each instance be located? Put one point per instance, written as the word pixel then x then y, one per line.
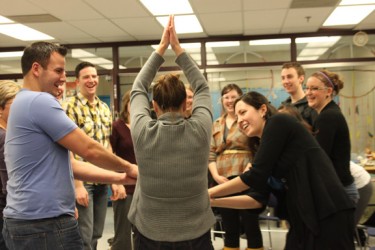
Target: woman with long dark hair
pixel 320 212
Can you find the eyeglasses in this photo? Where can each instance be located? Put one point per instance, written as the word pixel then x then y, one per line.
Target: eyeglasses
pixel 313 89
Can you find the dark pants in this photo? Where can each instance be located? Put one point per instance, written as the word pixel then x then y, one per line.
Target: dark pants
pixel 232 220
pixel 335 232
pixel 201 243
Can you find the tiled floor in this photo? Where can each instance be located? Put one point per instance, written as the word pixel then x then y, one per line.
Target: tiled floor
pixel 278 236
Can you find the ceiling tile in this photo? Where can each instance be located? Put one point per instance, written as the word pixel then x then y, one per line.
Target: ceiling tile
pixel 255 19
pixel 140 27
pixel 266 5
pixel 122 9
pixel 367 23
pixel 264 31
pixel 305 20
pixel 68 10
pixel 21 7
pixel 214 6
pixel 63 31
pixel 222 23
pixel 98 28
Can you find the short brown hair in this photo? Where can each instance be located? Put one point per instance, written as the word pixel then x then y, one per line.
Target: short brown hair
pixel 40 52
pixel 295 65
pixel 169 92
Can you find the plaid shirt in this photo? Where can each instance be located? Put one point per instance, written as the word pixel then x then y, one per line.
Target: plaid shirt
pixel 94 119
pixel 232 153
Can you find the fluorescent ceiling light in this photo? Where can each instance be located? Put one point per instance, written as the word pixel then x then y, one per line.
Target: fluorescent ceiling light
pixel 184 24
pixel 110 66
pixel 22 32
pixel 270 41
pixel 190 45
pixel 211 57
pixel 106 66
pixel 217 79
pixel 222 44
pixel 97 60
pixel 11 54
pixel 80 53
pixel 5 20
pixel 318 39
pixel 167 7
pixel 195 56
pixel 348 15
pixel 307 58
pixel 313 52
pixel 356 2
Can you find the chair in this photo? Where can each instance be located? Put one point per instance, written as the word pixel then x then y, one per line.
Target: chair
pixel 369 232
pixel 268 217
pixel 218 227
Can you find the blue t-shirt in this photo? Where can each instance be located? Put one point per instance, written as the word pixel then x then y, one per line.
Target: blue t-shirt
pixel 40 181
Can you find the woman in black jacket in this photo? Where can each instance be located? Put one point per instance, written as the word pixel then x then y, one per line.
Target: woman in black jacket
pixel 289 158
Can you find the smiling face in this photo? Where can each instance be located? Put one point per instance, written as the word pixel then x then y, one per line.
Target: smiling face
pixel 250 120
pixel 291 81
pixel 52 78
pixel 189 99
pixel 228 100
pixel 317 94
pixel 88 81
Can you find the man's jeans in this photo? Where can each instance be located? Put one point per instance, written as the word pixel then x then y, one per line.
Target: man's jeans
pixel 201 243
pixel 91 219
pixel 43 234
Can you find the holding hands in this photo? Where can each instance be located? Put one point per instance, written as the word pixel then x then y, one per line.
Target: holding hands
pixel 169 37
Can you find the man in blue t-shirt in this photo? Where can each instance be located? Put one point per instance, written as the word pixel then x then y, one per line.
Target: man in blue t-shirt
pixel 41 198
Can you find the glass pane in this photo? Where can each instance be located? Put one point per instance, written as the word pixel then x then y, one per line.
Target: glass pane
pixel 356 99
pixel 136 56
pixel 100 57
pixel 10 62
pixel 335 47
pixel 243 52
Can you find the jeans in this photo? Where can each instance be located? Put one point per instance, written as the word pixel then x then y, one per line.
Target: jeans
pixel 201 243
pixel 44 234
pixel 123 237
pixel 2 241
pixel 91 219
